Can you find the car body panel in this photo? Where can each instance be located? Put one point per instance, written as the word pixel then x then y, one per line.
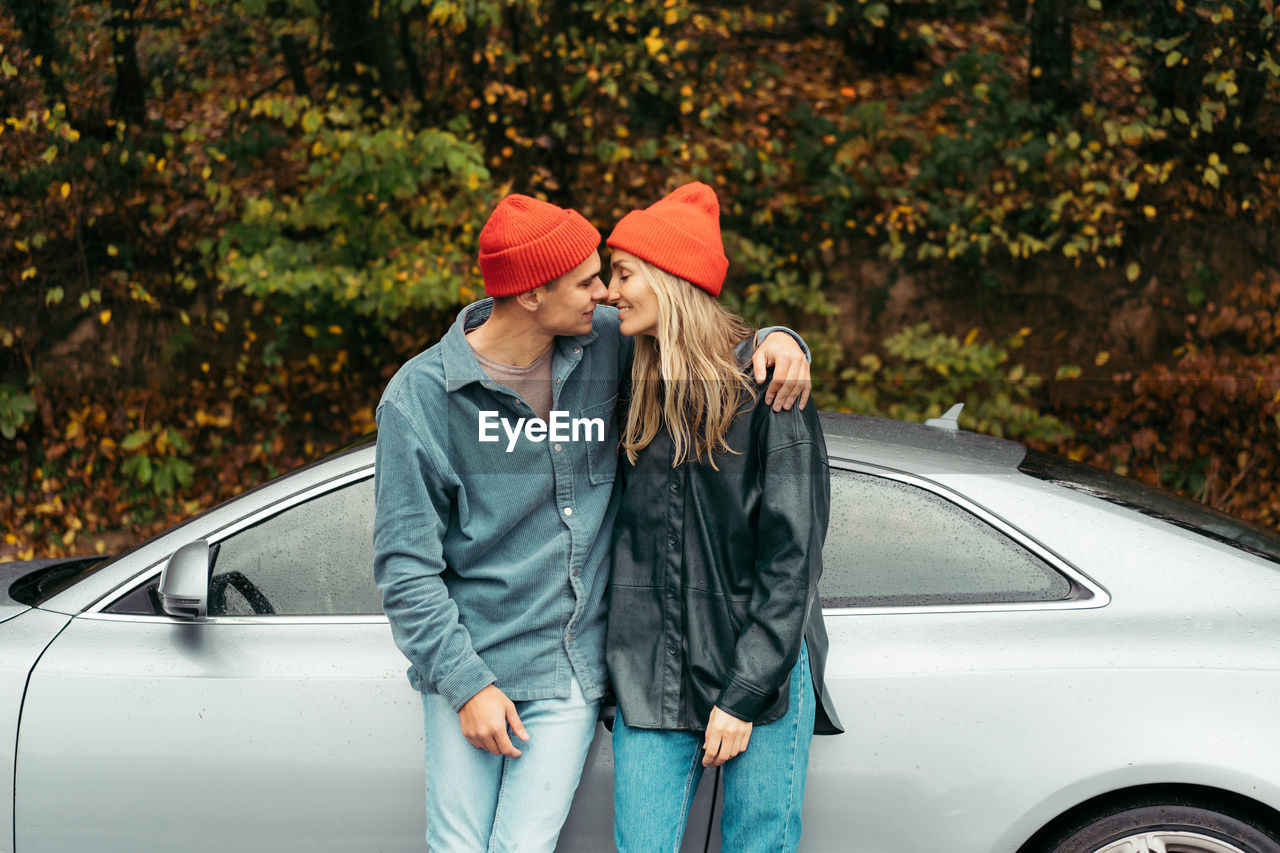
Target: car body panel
pixel 22 641
pixel 316 716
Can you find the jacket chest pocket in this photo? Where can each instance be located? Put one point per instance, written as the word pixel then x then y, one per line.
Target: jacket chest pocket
pixel 602 456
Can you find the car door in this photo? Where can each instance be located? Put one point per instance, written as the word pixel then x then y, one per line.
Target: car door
pixel 939 616
pixel 944 621
pixel 284 722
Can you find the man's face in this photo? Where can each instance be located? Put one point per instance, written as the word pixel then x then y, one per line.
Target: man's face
pixel 569 301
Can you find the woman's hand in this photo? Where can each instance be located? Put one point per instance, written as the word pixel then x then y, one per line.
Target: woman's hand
pixel 726 737
pixel 790 371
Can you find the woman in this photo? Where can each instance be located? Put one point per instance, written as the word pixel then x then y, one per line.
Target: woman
pixel 715 642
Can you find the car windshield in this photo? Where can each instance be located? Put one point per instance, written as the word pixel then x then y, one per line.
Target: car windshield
pixel 1155 502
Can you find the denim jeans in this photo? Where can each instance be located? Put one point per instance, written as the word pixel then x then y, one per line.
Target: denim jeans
pixel 477 801
pixel 656 773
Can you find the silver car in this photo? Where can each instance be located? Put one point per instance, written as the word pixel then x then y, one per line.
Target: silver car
pixel 1029 655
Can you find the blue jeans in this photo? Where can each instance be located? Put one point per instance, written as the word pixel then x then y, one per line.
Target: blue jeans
pixel 477 801
pixel 656 773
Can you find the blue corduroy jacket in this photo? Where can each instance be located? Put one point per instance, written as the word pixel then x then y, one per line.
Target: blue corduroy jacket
pixel 490 554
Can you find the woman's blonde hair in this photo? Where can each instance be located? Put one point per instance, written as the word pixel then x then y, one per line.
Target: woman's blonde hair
pixel 686 375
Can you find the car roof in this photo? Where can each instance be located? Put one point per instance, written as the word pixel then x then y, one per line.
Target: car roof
pixel 916 447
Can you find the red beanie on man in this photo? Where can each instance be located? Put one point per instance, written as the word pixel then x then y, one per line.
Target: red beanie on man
pixel 527 243
pixel 679 233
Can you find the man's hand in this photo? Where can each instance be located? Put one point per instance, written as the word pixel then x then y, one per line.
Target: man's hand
pixel 790 371
pixel 485 718
pixel 726 737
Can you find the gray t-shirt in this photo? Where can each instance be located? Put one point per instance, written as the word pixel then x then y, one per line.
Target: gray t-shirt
pixel 532 382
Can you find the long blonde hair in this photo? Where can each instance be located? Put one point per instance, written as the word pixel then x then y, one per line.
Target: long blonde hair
pixel 686 375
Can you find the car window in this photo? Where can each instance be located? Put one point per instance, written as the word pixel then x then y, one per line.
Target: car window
pixel 894 544
pixel 315 558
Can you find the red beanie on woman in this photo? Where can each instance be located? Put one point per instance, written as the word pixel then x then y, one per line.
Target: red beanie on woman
pixel 527 243
pixel 679 233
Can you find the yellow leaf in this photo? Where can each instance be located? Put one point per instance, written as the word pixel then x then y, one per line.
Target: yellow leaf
pixel 971 337
pixel 1131 191
pixel 1149 211
pixel 653 44
pixel 112 251
pixel 1132 271
pixel 29 272
pixel 671 17
pixel 1102 358
pixel 66 190
pixel 105 317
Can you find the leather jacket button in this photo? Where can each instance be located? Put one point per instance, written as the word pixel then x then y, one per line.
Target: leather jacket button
pixel 671 650
pixel 675 486
pixel 671 540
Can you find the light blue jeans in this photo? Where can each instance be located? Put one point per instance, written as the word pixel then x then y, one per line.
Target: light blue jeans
pixel 477 801
pixel 656 773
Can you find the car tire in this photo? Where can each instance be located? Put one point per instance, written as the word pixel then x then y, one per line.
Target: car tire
pixel 1166 828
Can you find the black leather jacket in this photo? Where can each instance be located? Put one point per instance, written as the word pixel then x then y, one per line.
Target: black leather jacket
pixel 715 575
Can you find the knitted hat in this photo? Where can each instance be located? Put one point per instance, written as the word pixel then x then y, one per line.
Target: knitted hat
pixel 527 243
pixel 680 234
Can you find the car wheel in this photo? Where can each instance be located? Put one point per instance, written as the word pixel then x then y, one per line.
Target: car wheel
pixel 1167 829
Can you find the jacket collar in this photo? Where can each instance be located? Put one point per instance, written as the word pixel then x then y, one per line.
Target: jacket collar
pixel 461 368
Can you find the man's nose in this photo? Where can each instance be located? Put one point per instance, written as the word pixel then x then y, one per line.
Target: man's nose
pixel 608 293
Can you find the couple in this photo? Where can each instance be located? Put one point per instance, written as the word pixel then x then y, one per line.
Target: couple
pixel 500 509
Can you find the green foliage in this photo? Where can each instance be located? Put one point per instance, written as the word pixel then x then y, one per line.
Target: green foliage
pixel 157 459
pixel 383 219
pixel 925 372
pixel 16 409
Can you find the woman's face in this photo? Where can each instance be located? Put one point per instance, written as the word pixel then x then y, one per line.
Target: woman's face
pixel 630 293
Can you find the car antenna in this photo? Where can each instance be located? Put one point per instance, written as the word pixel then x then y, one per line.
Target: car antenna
pixel 951 420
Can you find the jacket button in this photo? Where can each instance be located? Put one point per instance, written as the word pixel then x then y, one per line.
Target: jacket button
pixel 671 540
pixel 671 650
pixel 671 594
pixel 675 487
pixel 568 510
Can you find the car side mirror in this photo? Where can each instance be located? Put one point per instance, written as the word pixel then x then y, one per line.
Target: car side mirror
pixel 184 582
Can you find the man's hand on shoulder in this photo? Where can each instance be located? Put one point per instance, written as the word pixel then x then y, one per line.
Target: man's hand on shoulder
pixel 485 719
pixel 790 371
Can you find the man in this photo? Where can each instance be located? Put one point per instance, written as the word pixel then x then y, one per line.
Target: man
pixel 496 460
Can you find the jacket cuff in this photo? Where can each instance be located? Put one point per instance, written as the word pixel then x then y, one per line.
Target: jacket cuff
pixel 741 701
pixel 465 682
pixel 766 332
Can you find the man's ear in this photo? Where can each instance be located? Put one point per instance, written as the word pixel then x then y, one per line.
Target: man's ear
pixel 530 300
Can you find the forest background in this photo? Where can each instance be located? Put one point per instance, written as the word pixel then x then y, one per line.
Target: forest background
pixel 225 223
